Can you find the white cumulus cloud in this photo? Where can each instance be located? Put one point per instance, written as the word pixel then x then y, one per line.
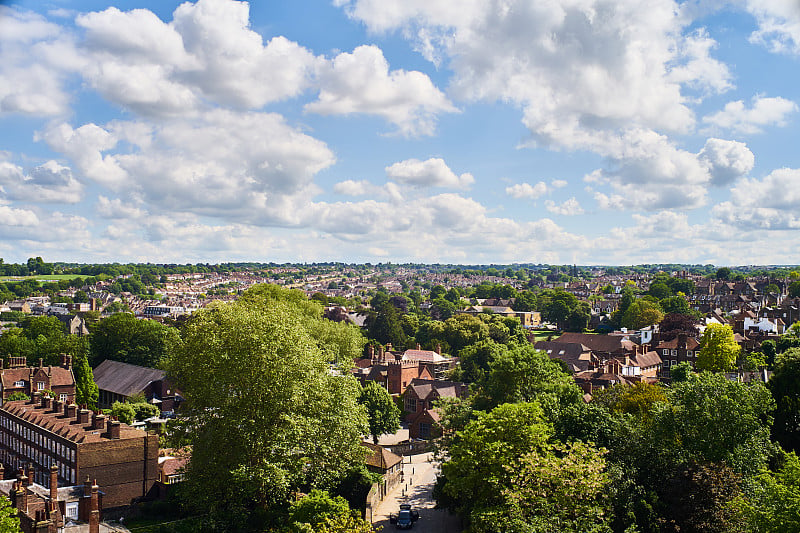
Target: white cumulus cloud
pixel 763 112
pixel 432 172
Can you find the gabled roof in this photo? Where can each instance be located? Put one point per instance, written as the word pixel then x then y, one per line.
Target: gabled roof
pixel 381 457
pixel 644 360
pixel 427 356
pixel 448 389
pixel 124 379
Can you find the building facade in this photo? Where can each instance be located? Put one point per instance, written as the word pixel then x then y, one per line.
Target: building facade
pixel 42 432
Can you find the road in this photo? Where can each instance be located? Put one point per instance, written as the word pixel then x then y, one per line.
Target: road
pixel 419 477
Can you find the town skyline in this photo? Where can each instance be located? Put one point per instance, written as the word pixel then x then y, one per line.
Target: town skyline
pixel 589 133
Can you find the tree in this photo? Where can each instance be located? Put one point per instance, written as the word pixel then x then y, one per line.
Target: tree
pixel 384 326
pixel 122 337
pixel 383 415
pixel 674 324
pixel 640 314
pixel 676 305
pixel 718 349
pixel 86 391
pixel 660 290
pixel 80 297
pixel 794 289
pixel 723 273
pixel 9 521
pixel 785 388
pixel 680 372
pixel 773 505
pixel 523 374
pixel 264 414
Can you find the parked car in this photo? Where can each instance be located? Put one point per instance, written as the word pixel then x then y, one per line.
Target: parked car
pixel 405 518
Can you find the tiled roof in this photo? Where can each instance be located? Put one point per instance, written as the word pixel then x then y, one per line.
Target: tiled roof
pixel 598 343
pixel 448 389
pixel 381 457
pixel 426 356
pixel 67 428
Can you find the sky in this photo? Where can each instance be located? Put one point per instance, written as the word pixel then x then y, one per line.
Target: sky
pixel 431 131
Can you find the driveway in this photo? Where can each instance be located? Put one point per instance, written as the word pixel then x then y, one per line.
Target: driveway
pixel 419 476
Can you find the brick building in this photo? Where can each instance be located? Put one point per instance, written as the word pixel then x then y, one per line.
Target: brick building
pixel 53 509
pixel 81 444
pixel 18 377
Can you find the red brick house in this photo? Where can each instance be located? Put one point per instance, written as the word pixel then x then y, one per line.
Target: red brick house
pixel 418 400
pixel 21 378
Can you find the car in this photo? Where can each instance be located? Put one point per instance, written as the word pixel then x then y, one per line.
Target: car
pixel 405 518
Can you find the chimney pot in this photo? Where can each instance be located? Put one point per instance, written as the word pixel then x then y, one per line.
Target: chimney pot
pixel 83 416
pixel 53 483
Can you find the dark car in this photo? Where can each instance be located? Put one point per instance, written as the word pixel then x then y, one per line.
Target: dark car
pixel 405 518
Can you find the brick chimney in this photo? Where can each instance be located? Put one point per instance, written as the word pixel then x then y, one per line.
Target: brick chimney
pixel 41 362
pixel 389 346
pixel 46 401
pixel 21 496
pixel 30 475
pixel 113 429
pixel 66 361
pixel 70 409
pixel 53 483
pixel 2 472
pixel 94 510
pixel 99 421
pixel 438 348
pixel 35 398
pixel 57 406
pixel 371 351
pixel 83 416
pixel 419 346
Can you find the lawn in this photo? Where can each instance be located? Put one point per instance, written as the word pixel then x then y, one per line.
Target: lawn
pixel 51 277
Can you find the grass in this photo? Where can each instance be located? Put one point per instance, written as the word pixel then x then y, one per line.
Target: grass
pixel 51 277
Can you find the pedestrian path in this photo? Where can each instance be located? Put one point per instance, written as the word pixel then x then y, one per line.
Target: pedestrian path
pixel 419 477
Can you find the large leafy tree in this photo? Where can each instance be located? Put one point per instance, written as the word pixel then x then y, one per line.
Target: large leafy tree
pixel 122 337
pixel 264 413
pixel 9 521
pixel 785 388
pixel 383 414
pixel 641 313
pixel 718 349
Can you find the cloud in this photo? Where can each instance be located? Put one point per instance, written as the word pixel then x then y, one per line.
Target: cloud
pixel 50 182
pixel 360 82
pixel 527 191
pixel 244 165
pixel 726 160
pixel 581 71
pixel 432 172
pixel 770 203
pixel 35 64
pixel 207 53
pixel 568 208
pixel 367 188
pixel 763 112
pixel 778 25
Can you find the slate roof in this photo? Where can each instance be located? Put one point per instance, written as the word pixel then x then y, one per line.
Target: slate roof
pixel 124 379
pixel 576 355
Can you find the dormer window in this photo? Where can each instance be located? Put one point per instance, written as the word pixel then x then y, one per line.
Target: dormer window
pixel 40 385
pixel 19 383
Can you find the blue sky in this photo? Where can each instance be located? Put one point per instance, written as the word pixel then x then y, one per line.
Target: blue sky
pixel 478 131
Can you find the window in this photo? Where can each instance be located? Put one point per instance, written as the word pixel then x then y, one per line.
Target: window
pixel 72 510
pixel 40 385
pixel 674 362
pixel 674 352
pixel 424 430
pixel 62 397
pixel 19 383
pixel 411 404
pixel 689 353
pixel 665 352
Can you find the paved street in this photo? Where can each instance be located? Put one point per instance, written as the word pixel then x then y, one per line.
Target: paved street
pixel 419 476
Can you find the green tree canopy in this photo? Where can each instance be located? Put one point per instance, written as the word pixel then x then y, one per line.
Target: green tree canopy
pixel 263 412
pixel 122 337
pixel 640 314
pixel 718 349
pixel 383 415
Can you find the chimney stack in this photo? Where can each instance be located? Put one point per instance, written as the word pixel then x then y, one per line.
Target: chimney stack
pixel 419 346
pixel 57 406
pixel 113 429
pixel 389 347
pixel 46 401
pixel 53 483
pixel 83 416
pixel 371 351
pixel 30 475
pixel 439 348
pixel 94 510
pixel 99 421
pixel 35 398
pixel 70 409
pixel 41 362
